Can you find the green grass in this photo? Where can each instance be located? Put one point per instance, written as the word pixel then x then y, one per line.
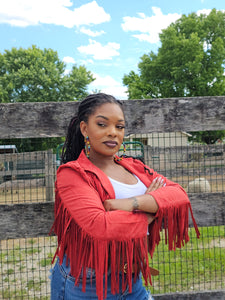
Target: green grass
pixel 13 256
pixel 50 255
pixel 10 271
pixel 35 285
pixel 200 263
pixel 22 268
pixel 31 241
pixel 13 295
pixel 46 262
pixel 33 251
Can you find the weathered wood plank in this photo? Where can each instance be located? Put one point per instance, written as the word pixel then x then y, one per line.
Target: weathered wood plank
pixel 209 209
pixel 26 220
pixel 35 219
pixel 36 119
pixel 49 176
pixel 50 119
pixel 175 114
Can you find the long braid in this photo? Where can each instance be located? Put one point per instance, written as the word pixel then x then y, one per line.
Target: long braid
pixel 74 142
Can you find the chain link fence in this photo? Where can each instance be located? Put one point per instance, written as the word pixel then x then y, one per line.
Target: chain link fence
pixel 28 177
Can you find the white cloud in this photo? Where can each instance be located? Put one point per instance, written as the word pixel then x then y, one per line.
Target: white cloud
pixel 68 60
pixel 86 62
pixel 104 81
pixel 118 92
pixel 90 32
pixel 108 85
pixel 204 12
pixel 151 38
pixel 149 27
pixel 24 13
pixel 100 52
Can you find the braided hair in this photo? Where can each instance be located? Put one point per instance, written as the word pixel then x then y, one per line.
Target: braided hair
pixel 74 140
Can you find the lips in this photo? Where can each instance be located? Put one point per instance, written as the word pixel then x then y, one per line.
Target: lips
pixel 110 144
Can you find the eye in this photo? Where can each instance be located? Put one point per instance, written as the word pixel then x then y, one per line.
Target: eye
pixel 101 124
pixel 120 127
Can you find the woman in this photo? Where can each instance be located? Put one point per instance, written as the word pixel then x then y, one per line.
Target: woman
pixel 104 207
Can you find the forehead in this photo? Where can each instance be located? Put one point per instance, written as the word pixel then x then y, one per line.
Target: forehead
pixel 109 110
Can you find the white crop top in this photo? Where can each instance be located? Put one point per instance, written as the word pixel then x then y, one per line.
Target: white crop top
pixel 123 190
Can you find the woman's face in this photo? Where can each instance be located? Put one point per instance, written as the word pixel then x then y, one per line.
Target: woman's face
pixel 105 129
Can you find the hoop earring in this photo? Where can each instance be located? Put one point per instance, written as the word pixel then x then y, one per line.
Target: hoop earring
pixel 121 157
pixel 87 146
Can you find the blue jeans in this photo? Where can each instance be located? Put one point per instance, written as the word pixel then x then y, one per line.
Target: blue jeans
pixel 63 287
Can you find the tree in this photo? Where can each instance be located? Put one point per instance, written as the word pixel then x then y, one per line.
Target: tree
pixel 34 144
pixel 207 137
pixel 35 75
pixel 190 61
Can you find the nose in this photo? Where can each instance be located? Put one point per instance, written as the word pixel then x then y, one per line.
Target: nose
pixel 112 131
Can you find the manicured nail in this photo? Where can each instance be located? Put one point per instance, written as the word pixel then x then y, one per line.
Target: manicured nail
pixel 164 184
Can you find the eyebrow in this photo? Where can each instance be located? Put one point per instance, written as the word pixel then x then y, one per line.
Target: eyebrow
pixel 100 116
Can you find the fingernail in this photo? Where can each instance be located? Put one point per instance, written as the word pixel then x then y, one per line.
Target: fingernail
pixel 164 184
pixel 155 179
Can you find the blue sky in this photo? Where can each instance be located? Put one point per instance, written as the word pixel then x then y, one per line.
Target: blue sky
pixel 107 36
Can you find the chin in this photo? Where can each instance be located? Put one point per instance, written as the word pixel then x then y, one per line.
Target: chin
pixel 110 154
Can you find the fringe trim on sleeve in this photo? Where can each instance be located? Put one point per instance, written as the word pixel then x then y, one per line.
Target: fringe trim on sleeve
pixel 174 220
pixel 84 252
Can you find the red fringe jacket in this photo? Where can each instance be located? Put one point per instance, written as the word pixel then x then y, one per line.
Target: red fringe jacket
pixel 94 238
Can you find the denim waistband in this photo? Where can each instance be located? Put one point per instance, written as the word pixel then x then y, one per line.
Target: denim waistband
pixel 90 273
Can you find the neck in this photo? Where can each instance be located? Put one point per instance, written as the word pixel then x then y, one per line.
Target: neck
pixel 102 162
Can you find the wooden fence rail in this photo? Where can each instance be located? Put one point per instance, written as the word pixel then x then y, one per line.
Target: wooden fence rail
pixel 35 219
pixel 50 119
pixel 32 120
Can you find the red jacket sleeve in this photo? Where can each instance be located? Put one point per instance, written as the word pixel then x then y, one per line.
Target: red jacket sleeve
pixel 172 215
pixel 170 195
pixel 85 207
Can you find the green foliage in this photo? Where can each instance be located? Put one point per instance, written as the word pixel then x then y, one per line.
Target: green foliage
pixel 189 63
pixel 37 144
pixel 137 88
pixel 35 75
pixel 207 137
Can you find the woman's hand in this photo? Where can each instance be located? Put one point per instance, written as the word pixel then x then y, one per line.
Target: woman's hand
pixel 156 184
pixel 137 203
pixel 151 218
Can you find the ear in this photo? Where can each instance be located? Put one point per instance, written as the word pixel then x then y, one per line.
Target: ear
pixel 83 128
